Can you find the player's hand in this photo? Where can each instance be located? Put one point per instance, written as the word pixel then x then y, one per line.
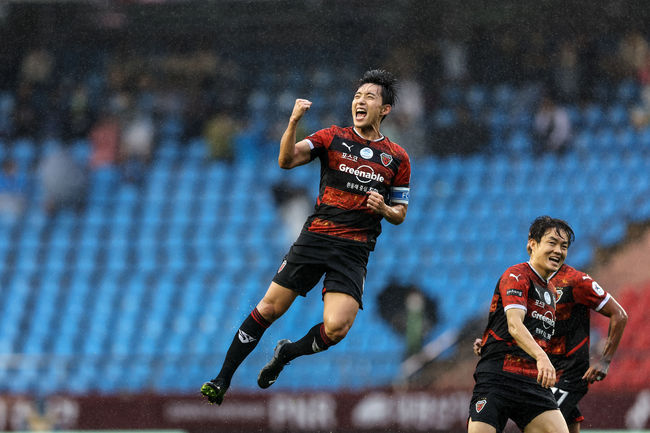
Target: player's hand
pixel 477 346
pixel 299 109
pixel 545 372
pixel 376 202
pixel 597 371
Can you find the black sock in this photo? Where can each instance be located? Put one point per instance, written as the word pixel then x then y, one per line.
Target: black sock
pixel 245 340
pixel 315 341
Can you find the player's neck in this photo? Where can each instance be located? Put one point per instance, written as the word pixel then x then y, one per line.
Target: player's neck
pixel 371 132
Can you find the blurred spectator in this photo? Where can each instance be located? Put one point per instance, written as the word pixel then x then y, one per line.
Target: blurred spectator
pixel 633 50
pixel 64 182
pixel 78 117
pixel 105 136
pixel 25 124
pixel 640 113
pixel 566 74
pixel 37 66
pixel 552 127
pixel 219 132
pixel 136 146
pixel 12 190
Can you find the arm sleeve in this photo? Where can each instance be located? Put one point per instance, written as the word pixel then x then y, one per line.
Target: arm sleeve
pixel 319 142
pixel 513 287
pixel 400 191
pixel 588 292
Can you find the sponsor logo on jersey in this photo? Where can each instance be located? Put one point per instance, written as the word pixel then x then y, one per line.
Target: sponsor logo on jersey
pixel 480 404
pixel 366 153
pixel 282 265
pixel 364 173
pixel 516 277
pixel 514 292
pixel 547 318
pixel 349 146
pixel 386 159
pixel 244 337
pixel 560 292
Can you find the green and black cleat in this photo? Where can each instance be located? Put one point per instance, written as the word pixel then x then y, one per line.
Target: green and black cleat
pixel 270 372
pixel 214 390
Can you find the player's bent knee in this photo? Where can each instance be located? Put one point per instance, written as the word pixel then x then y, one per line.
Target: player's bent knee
pixel 336 331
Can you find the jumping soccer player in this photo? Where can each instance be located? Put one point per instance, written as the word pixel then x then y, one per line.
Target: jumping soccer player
pixel 364 179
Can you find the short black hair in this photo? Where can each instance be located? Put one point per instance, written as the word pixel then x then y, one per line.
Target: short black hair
pixel 544 223
pixel 385 80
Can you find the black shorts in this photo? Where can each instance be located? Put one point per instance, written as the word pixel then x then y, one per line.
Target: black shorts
pixel 311 256
pixel 568 402
pixel 497 397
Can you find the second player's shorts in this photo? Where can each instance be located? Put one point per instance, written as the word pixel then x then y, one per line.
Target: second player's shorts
pixel 311 256
pixel 497 397
pixel 568 402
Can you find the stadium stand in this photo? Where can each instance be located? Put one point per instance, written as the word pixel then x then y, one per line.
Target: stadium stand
pixel 144 287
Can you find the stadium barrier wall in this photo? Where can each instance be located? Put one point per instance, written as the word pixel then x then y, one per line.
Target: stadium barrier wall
pixel 369 411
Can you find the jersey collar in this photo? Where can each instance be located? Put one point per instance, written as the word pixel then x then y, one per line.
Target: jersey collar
pixel 354 128
pixel 540 277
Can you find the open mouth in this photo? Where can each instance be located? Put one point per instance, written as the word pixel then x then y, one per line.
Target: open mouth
pixel 360 114
pixel 554 259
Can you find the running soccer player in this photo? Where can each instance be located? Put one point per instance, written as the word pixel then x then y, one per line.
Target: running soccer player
pixel 364 179
pixel 514 375
pixel 577 294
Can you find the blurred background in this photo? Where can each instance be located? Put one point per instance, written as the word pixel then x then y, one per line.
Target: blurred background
pixel 143 214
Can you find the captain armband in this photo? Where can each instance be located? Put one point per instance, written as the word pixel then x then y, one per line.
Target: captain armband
pixel 399 195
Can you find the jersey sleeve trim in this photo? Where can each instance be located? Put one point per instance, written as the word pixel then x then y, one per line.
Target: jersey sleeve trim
pixel 509 306
pixel 311 144
pixel 602 304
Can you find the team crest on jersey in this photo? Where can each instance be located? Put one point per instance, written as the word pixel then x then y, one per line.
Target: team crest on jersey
pixel 480 404
pixel 386 159
pixel 282 265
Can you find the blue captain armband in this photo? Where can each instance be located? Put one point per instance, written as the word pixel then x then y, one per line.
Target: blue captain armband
pixel 399 195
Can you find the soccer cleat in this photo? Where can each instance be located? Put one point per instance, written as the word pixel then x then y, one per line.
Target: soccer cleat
pixel 214 390
pixel 269 374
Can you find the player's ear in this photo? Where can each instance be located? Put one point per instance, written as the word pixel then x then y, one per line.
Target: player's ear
pixel 385 109
pixel 529 246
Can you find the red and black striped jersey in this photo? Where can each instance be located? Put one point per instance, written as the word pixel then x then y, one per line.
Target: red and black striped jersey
pixel 519 287
pixel 577 294
pixel 350 167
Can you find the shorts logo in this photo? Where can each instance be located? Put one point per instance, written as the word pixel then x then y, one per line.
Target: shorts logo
pixel 480 405
pixel 284 263
pixel 386 159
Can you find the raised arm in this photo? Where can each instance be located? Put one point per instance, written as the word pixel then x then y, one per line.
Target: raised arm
pixel 617 321
pixel 518 331
pixel 293 154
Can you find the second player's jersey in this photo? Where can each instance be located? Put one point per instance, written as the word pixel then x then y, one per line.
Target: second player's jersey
pixel 519 287
pixel 350 167
pixel 577 294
